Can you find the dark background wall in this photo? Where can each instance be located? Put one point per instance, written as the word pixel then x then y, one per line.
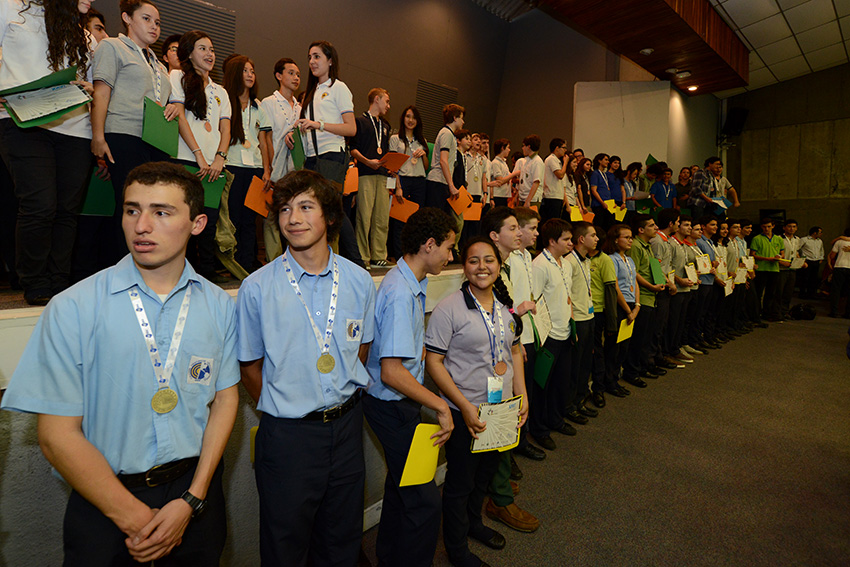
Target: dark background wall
pixel 794 152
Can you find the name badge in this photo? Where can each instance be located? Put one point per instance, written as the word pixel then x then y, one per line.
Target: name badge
pixel 248 158
pixel 494 389
pixel 590 311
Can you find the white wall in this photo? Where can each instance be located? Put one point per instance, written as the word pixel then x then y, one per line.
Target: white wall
pixel 692 130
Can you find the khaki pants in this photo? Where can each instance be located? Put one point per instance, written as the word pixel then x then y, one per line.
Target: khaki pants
pixel 373 217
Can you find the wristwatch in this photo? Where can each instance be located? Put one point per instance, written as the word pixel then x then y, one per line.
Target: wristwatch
pixel 196 503
pixel 222 154
pixel 321 125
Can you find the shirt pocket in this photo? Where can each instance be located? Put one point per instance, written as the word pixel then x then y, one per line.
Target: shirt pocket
pixel 198 372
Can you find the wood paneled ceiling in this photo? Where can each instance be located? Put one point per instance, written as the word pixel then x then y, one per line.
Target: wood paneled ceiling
pixel 687 35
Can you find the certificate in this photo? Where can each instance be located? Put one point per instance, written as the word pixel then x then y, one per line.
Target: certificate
pixel 691 273
pixel 749 262
pixel 741 275
pixel 502 421
pixel 542 320
pixel 721 270
pixel 703 264
pixel 49 102
pixel 730 287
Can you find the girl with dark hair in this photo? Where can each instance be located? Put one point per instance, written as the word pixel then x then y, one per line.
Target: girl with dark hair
pixel 204 112
pixel 126 72
pixel 630 187
pixel 247 156
pixel 474 356
pixel 628 303
pixel 411 177
pixel 582 176
pixel 573 195
pixel 327 118
pixel 49 165
pixel 601 190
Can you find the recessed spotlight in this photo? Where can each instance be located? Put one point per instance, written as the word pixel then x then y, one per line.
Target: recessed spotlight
pixel 647 51
pixel 672 71
pixel 693 88
pixel 683 74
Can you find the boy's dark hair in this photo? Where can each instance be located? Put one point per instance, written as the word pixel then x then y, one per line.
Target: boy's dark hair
pixel 814 229
pixel 580 229
pixel 500 145
pixel 296 182
pixel 427 222
pixel 655 169
pixel 667 170
pixel 173 38
pixel 281 65
pixel 495 219
pixel 667 217
pixel 705 219
pixel 639 222
pixel 556 143
pixel 92 14
pixel 524 215
pixel 746 222
pixel 451 112
pixel 685 218
pixel 532 141
pixel 711 160
pixel 168 173
pixel 552 229
pixel 730 222
pixel 484 136
pixel 767 220
pixel 790 221
pixel 461 134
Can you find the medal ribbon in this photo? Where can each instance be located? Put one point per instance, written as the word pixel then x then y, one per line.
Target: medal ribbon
pixel 554 262
pixel 586 274
pixel 491 330
pixel 379 128
pixel 163 374
pixel 324 342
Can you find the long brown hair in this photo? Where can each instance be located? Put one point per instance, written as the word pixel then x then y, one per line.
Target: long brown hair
pixel 312 80
pixel 192 81
pixel 66 36
pixel 235 86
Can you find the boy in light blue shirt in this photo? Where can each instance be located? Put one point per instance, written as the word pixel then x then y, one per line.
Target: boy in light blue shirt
pixel 410 517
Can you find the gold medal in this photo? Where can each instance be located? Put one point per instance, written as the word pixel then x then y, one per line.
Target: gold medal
pixel 246 144
pixel 380 151
pixel 501 367
pixel 164 400
pixel 208 126
pixel 325 363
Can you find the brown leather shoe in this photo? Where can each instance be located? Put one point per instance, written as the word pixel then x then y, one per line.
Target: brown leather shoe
pixel 514 488
pixel 512 516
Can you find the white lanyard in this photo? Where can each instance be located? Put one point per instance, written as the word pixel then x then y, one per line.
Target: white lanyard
pixel 279 97
pixel 210 100
pixel 632 273
pixel 585 273
pixel 153 67
pixel 667 189
pixel 324 342
pixel 560 269
pixel 527 265
pixel 163 374
pixel 491 329
pixel 604 176
pixel 379 129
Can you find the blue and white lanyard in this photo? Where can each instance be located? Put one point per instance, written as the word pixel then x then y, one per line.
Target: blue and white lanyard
pixel 497 356
pixel 163 374
pixel 554 262
pixel 324 342
pixel 585 273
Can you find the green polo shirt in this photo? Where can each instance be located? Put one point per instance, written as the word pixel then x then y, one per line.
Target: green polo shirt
pixel 767 248
pixel 601 272
pixel 641 253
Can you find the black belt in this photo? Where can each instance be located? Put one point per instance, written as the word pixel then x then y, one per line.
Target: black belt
pixel 160 474
pixel 334 413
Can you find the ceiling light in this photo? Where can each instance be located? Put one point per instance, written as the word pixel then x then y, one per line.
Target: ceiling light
pixel 683 74
pixel 692 88
pixel 672 71
pixel 647 51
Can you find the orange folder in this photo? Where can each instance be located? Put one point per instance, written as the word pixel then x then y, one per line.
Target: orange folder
pixel 394 160
pixel 351 181
pixel 473 213
pixel 402 211
pixel 533 208
pixel 461 202
pixel 588 216
pixel 257 199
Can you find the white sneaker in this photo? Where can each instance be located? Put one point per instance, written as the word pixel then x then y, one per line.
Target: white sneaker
pixel 683 357
pixel 688 351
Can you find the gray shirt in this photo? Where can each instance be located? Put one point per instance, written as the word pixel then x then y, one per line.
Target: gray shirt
pixel 119 63
pixel 445 142
pixel 457 330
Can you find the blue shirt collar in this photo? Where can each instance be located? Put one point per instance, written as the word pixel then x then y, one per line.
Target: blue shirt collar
pixel 298 272
pixel 125 274
pixel 416 286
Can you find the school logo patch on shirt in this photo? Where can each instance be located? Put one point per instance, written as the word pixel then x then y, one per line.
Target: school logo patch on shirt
pixel 325 94
pixel 353 329
pixel 512 326
pixel 218 100
pixel 200 371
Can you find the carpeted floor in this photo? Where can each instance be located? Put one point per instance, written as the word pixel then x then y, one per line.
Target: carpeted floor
pixel 742 458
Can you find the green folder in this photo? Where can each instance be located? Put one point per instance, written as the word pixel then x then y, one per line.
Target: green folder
pixel 657 274
pixel 298 155
pixel 100 197
pixel 650 160
pixel 644 206
pixel 212 189
pixel 63 77
pixel 157 131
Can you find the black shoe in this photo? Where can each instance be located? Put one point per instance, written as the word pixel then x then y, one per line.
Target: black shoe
pixel 649 375
pixel 37 299
pixel 704 345
pixel 586 411
pixel 546 442
pixel 516 474
pixel 616 392
pixel 529 451
pixel 624 390
pixel 720 338
pixel 576 417
pixel 489 537
pixel 566 429
pixel 598 399
pixel 657 370
pixel 636 381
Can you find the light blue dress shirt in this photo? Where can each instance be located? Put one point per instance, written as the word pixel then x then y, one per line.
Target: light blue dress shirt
pixel 399 328
pixel 706 246
pixel 87 357
pixel 626 276
pixel 273 325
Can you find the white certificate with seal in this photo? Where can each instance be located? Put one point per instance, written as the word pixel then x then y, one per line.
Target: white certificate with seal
pixel 502 419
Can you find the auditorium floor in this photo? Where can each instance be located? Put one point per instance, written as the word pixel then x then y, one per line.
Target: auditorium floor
pixel 742 458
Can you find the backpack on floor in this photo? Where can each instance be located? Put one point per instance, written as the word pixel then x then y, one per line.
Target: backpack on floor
pixel 803 312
